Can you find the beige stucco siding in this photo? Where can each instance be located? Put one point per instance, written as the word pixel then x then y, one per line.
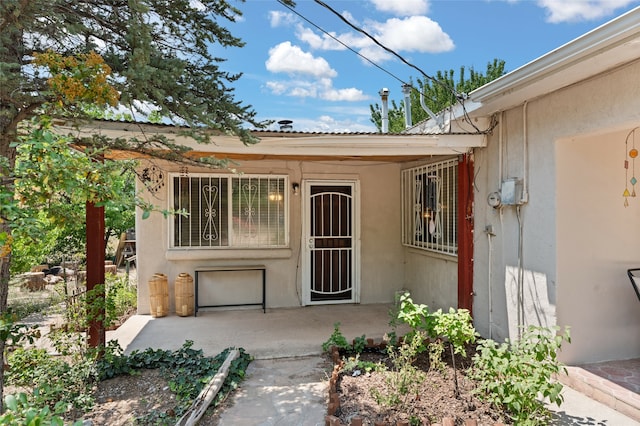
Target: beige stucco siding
pixel 432 279
pixel 381 261
pixel 568 247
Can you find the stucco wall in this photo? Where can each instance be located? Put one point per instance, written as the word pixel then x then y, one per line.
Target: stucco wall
pixel 432 279
pixel 381 261
pixel 567 248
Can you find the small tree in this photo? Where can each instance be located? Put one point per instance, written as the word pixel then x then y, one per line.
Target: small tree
pixel 150 56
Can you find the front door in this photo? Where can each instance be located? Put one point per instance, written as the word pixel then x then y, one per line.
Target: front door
pixel 330 243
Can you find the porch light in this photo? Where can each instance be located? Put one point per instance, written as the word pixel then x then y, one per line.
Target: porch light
pixel 275 196
pixel 295 187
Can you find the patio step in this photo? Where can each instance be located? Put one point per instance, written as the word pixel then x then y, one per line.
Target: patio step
pixel 605 391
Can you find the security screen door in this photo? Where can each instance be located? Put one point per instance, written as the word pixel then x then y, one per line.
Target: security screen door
pixel 330 273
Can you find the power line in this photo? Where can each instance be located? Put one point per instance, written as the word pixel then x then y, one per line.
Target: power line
pixel 459 98
pixel 391 51
pixel 282 2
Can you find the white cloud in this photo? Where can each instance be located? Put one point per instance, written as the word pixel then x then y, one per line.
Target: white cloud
pixel 315 89
pixel 286 58
pixel 413 34
pixel 315 41
pixel 328 123
pixel 349 17
pixel 277 87
pixel 580 10
pixel 281 19
pixel 349 95
pixel 402 7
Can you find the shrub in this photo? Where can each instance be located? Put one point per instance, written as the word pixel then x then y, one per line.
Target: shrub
pixel 336 339
pixel 61 385
pixel 455 326
pixel 19 411
pixel 404 380
pixel 515 374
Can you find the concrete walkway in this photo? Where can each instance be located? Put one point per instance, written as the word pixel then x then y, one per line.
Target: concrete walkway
pixel 286 385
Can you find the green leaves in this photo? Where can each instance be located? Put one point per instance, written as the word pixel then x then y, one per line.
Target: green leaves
pixel 19 411
pixel 456 325
pixel 336 339
pixel 516 374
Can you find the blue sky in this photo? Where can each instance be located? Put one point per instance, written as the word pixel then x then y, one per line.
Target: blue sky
pixel 293 70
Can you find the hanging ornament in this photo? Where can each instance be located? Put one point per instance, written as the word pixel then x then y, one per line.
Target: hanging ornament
pixel 153 178
pixel 632 154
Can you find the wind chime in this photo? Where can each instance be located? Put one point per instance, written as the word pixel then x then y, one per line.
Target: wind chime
pixel 153 178
pixel 630 153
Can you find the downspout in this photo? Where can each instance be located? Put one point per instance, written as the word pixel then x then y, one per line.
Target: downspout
pixel 384 94
pixel 525 156
pixel 406 90
pixel 500 139
pixel 523 200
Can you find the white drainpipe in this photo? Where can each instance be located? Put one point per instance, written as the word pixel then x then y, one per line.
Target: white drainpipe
pixel 384 94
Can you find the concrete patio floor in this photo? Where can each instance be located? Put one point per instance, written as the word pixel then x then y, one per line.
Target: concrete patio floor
pixel 278 333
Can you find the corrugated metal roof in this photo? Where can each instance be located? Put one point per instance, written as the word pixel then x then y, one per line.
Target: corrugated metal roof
pixel 287 133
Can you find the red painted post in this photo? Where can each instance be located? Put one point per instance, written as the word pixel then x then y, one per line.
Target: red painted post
pixel 465 233
pixel 95 270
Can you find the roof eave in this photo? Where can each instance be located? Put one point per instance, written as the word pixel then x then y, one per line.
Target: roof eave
pixel 286 145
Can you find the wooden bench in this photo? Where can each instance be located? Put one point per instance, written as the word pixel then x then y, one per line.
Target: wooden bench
pixel 235 268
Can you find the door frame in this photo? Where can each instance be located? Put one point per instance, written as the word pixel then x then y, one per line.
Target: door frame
pixel 306 253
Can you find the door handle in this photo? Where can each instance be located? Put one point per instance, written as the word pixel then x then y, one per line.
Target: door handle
pixel 312 243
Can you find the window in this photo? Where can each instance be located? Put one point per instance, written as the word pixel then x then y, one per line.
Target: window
pixel 429 207
pixel 230 211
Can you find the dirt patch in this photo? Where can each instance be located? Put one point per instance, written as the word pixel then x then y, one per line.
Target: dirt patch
pixel 125 399
pixel 436 398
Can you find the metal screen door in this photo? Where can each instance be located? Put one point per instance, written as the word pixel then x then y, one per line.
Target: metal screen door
pixel 330 243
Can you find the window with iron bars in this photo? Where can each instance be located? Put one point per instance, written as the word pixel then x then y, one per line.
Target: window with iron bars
pixel 229 211
pixel 429 207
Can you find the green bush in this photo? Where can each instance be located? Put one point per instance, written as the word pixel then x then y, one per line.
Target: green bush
pixel 20 411
pixel 404 380
pixel 455 326
pixel 515 374
pixel 62 385
pixel 336 339
pixel 120 299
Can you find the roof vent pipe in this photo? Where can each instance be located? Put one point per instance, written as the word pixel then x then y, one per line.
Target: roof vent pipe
pixel 406 90
pixel 384 94
pixel 285 124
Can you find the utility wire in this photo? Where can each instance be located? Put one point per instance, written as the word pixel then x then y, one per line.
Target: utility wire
pixel 391 51
pixel 282 2
pixel 460 98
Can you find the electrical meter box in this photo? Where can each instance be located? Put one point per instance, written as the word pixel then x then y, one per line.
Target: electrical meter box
pixel 511 192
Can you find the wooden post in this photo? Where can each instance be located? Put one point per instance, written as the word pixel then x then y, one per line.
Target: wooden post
pixel 95 271
pixel 465 233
